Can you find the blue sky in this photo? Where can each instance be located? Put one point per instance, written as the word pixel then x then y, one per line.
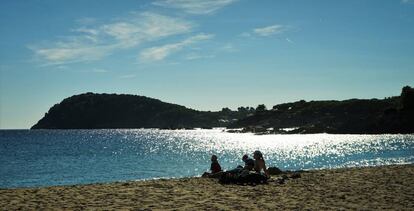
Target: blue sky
pixel 202 54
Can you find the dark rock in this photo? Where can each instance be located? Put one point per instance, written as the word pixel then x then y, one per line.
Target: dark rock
pixel 274 171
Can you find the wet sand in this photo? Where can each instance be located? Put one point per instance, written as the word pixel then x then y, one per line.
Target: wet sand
pixel 370 188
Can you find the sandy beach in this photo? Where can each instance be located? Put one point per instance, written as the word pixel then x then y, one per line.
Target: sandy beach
pixel 370 188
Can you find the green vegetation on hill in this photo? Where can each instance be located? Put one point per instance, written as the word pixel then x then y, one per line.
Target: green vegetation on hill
pixel 390 115
pixel 90 111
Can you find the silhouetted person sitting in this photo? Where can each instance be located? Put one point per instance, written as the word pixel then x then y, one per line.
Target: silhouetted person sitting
pixel 253 172
pixel 259 163
pixel 248 166
pixel 215 168
pixel 248 163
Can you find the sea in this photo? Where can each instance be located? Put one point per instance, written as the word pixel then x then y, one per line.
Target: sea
pixel 40 158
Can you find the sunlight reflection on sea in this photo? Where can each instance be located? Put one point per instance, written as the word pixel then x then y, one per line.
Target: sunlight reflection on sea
pixel 56 157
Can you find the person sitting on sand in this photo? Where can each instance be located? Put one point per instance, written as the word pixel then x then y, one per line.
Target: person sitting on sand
pixel 244 175
pixel 259 163
pixel 248 163
pixel 215 168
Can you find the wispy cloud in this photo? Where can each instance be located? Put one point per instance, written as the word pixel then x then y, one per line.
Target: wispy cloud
pixel 99 70
pixel 145 27
pixel 407 1
pixel 228 48
pixel 86 21
pixel 93 43
pixel 210 51
pixel 62 53
pixel 85 30
pixel 127 76
pixel 265 31
pixel 199 7
pixel 62 67
pixel 289 40
pixel 161 52
pixel 194 56
pixel 269 30
pixel 246 34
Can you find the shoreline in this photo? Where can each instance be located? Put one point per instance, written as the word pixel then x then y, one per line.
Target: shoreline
pixel 383 187
pixel 223 129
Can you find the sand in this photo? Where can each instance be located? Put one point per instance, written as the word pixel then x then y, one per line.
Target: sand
pixel 369 188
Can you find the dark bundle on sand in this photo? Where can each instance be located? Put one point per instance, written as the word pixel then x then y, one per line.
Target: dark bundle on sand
pixel 253 178
pixel 243 178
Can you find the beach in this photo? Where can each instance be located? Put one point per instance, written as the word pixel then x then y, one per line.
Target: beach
pixel 372 188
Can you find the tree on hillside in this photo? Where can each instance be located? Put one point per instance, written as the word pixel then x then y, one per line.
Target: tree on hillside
pixel 261 108
pixel 226 110
pixel 242 109
pixel 407 97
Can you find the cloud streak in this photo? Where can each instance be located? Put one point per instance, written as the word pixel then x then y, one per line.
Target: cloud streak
pixel 269 30
pixel 99 70
pixel 127 76
pixel 198 7
pixel 94 43
pixel 407 1
pixel 159 53
pixel 266 31
pixel 289 41
pixel 146 27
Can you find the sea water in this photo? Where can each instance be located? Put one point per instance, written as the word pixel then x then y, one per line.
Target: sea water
pixel 37 158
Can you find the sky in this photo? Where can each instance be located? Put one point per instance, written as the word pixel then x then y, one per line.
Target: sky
pixel 203 54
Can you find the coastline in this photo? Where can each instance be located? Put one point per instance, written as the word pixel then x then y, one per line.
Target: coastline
pixel 384 187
